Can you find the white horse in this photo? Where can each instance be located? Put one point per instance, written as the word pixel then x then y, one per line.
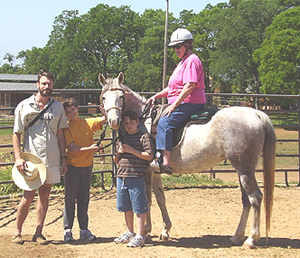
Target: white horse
pixel 238 134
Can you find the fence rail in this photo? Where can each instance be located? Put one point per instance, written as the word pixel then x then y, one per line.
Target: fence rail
pixel 214 100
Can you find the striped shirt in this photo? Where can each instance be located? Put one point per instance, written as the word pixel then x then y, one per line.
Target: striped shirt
pixel 130 165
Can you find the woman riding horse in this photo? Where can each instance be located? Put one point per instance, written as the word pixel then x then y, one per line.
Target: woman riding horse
pixel 185 94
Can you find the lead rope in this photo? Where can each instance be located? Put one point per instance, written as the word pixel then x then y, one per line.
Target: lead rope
pixel 102 136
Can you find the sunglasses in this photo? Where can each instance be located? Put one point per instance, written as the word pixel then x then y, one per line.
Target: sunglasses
pixel 178 46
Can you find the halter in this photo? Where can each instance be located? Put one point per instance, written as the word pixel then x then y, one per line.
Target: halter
pixel 118 108
pixel 104 130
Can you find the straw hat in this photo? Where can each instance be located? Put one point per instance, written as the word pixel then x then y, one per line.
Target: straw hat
pixel 35 175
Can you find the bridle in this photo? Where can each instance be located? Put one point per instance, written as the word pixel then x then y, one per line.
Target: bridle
pixel 104 130
pixel 143 115
pixel 118 108
pixel 115 107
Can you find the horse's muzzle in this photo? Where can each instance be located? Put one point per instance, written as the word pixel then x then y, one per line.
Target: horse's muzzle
pixel 114 123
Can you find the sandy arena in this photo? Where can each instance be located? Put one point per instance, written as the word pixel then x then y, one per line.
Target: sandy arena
pixel 203 221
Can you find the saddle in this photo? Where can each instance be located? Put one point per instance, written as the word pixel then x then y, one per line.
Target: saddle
pixel 200 117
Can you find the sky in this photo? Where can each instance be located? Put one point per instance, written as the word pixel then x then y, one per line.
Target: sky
pixel 28 23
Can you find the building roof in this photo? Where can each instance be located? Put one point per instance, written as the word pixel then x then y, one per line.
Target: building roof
pixel 18 77
pixel 17 86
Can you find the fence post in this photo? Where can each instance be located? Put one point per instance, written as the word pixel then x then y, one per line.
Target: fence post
pixel 298 109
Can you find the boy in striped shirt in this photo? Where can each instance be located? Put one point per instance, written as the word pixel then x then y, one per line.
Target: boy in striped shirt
pixel 133 156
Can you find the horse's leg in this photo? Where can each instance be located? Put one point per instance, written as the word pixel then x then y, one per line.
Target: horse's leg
pixel 255 198
pixel 161 201
pixel 251 196
pixel 239 236
pixel 148 183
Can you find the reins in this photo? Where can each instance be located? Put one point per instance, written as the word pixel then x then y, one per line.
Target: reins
pixel 143 115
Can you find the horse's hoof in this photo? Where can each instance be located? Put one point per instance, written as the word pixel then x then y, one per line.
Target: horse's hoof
pixel 163 237
pixel 247 246
pixel 235 241
pixel 249 243
pixel 148 239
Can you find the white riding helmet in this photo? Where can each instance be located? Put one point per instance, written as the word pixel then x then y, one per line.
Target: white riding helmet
pixel 179 36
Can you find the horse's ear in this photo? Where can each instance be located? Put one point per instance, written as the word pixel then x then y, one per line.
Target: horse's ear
pixel 121 78
pixel 101 79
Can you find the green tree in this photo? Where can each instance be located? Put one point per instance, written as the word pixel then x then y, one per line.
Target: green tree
pixel 9 67
pixel 146 70
pixel 202 26
pixel 102 40
pixel 35 60
pixel 48 57
pixel 239 31
pixel 279 55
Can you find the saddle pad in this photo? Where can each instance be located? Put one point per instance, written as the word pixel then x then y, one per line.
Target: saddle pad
pixel 204 114
pixel 201 117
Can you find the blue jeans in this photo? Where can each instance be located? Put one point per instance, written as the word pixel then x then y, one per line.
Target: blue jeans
pixel 166 124
pixel 131 195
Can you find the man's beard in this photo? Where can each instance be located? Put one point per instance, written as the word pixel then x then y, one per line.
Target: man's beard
pixel 46 92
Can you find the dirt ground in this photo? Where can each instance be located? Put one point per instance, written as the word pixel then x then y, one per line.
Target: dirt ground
pixel 203 221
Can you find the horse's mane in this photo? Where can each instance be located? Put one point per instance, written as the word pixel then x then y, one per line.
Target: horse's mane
pixel 111 86
pixel 136 95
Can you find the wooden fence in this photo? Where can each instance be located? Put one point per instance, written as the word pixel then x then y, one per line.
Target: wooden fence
pixel 266 102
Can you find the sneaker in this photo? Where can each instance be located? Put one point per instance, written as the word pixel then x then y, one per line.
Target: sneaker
pixel 137 241
pixel 17 239
pixel 40 239
pixel 124 238
pixel 85 234
pixel 68 236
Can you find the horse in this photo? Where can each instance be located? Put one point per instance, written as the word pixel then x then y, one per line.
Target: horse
pixel 239 134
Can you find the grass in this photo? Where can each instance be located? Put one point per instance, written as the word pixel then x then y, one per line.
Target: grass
pixel 6 132
pixel 284 119
pixel 194 180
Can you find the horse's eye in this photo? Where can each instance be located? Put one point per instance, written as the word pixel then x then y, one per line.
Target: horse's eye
pixel 103 98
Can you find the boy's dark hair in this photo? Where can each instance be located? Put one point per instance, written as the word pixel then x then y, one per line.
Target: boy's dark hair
pixel 46 74
pixel 131 114
pixel 69 103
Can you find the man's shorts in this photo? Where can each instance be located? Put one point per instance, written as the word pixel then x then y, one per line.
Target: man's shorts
pixel 131 195
pixel 53 175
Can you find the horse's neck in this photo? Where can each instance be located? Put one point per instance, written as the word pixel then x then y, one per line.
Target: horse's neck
pixel 135 103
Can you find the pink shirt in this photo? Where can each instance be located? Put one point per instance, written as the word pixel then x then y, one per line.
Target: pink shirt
pixel 190 69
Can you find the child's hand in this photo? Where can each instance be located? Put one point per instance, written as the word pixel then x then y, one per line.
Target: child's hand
pixel 94 147
pixel 119 149
pixel 127 148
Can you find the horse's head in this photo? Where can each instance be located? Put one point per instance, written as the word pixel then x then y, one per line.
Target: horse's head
pixel 112 98
pixel 117 98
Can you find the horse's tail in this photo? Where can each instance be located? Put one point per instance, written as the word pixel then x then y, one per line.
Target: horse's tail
pixel 269 153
